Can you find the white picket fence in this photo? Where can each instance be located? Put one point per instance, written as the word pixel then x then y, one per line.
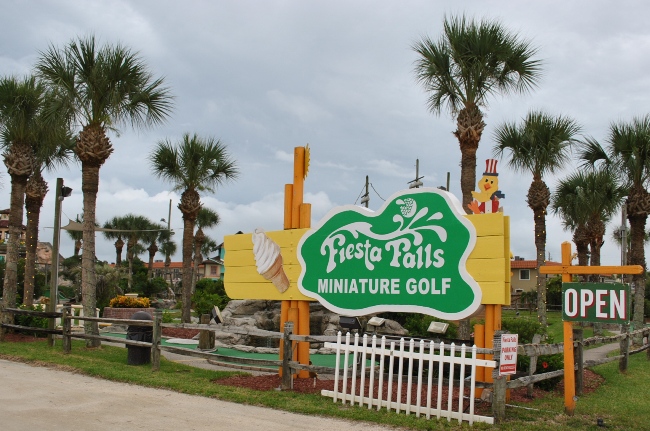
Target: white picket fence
pixel 371 360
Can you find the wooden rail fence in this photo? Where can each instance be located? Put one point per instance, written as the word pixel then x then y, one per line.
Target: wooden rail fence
pixel 290 367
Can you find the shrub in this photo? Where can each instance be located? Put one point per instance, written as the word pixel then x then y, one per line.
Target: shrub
pixel 167 317
pixel 417 325
pixel 523 326
pixel 32 321
pixel 203 302
pixel 128 302
pixel 154 286
pixel 546 364
pixel 208 294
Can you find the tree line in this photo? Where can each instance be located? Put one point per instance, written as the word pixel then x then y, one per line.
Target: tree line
pixel 63 113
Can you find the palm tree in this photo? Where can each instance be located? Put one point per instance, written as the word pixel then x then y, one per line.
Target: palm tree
pixel 469 63
pixel 47 157
pixel 114 230
pixel 21 130
pixel 193 165
pixel 135 227
pixel 591 198
pixel 155 234
pixel 207 218
pixel 605 198
pixel 101 88
pixel 568 202
pixel 628 155
pixel 168 248
pixel 540 145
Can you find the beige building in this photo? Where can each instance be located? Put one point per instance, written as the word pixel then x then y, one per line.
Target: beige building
pixel 524 274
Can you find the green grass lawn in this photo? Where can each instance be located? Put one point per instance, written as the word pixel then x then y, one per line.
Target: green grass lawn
pixel 621 402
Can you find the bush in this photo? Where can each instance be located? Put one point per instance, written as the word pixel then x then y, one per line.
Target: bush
pixel 208 294
pixel 417 325
pixel 546 364
pixel 153 287
pixel 32 321
pixel 523 326
pixel 203 302
pixel 167 317
pixel 128 302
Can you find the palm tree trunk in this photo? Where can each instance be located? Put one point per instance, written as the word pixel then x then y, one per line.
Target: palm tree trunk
pixel 540 245
pixel 129 257
pixel 119 245
pixel 199 239
pixel 538 199
pixel 188 237
pixel 637 257
pixel 33 207
pixel 596 243
pixel 469 129
pixel 153 249
pixel 89 187
pixel 18 184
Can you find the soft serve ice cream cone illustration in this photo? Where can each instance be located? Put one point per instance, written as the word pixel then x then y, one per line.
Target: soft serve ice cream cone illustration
pixel 269 260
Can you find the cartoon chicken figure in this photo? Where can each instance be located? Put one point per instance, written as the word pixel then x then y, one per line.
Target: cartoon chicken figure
pixel 486 201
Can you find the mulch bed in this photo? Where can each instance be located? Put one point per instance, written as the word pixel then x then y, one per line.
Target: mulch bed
pixel 179 332
pixel 310 386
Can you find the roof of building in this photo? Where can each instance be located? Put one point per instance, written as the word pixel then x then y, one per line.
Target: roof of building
pixel 530 264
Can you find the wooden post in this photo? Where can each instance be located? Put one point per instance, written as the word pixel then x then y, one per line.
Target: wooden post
pixel 298 185
pixel 625 349
pixel 479 341
pixel 500 382
pixel 206 337
pixel 489 337
pixel 66 324
pixel 155 340
pixel 288 199
pixel 569 371
pixel 286 370
pixel 533 366
pixel 566 269
pixel 578 336
pixel 284 318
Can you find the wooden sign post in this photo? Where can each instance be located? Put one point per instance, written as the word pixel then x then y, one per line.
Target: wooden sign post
pixel 567 271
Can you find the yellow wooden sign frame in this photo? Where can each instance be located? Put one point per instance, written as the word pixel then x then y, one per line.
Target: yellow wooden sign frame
pixel 488 264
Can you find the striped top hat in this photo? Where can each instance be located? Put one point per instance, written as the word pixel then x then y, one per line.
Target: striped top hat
pixel 491 167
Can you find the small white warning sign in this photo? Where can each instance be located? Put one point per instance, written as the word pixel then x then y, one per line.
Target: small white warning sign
pixel 508 363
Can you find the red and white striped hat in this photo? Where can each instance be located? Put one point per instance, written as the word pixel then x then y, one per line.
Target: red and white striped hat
pixel 491 167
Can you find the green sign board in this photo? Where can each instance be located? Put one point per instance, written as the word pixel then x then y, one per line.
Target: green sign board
pixel 596 302
pixel 408 256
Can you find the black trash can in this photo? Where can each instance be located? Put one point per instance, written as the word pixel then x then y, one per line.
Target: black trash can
pixel 139 355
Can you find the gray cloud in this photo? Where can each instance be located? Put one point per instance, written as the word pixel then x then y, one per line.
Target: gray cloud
pixel 265 77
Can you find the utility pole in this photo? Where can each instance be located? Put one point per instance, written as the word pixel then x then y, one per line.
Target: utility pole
pixel 623 238
pixel 60 193
pixel 416 183
pixel 365 199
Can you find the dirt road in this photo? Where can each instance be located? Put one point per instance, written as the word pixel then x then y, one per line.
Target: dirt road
pixel 47 399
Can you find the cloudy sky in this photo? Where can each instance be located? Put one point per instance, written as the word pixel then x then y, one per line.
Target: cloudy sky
pixel 267 76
